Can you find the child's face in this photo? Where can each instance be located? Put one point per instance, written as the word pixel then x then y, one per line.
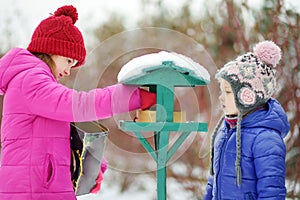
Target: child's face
pixel 227 98
pixel 63 66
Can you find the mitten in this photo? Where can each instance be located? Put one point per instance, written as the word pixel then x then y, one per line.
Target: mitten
pixel 100 177
pixel 148 99
pixel 99 180
pixel 104 164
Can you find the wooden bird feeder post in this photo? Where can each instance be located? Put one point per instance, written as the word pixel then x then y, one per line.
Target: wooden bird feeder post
pixel 163 79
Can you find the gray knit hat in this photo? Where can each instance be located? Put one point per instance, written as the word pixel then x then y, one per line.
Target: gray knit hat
pixel 252 77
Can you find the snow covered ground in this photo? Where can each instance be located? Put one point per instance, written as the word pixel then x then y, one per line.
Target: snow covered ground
pixel 111 189
pixel 144 188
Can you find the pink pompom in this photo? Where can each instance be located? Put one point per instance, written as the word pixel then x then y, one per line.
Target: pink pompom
pixel 69 11
pixel 268 52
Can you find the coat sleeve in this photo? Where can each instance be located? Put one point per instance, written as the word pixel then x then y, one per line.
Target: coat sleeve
pixel 45 97
pixel 209 188
pixel 269 159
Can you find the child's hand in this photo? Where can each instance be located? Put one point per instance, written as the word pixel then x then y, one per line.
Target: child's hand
pixel 97 186
pixel 148 99
pixel 100 177
pixel 104 164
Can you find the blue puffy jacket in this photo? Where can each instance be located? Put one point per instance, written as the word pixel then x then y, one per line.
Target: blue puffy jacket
pixel 262 160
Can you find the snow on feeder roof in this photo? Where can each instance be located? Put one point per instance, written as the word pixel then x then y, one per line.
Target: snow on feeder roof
pixel 148 63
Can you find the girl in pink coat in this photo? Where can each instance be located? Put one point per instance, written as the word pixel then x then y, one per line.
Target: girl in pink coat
pixel 37 110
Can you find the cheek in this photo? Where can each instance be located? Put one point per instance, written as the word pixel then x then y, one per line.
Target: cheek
pixel 55 71
pixel 59 67
pixel 229 101
pixel 233 106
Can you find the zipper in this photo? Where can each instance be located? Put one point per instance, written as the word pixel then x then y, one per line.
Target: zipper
pixel 250 197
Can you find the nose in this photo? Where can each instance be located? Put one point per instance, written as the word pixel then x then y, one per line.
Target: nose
pixel 67 72
pixel 221 99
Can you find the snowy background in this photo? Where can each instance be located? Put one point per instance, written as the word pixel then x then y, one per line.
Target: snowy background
pixel 18 18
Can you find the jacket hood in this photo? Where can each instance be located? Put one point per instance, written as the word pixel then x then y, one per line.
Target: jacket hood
pixel 274 117
pixel 14 62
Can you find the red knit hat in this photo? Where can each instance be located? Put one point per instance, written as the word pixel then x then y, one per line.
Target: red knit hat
pixel 57 35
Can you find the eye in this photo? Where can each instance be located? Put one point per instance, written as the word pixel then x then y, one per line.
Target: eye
pixel 70 61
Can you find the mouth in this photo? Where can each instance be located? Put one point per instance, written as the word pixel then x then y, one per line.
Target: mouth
pixel 59 76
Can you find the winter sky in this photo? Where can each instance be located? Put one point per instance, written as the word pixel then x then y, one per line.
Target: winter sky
pixel 19 17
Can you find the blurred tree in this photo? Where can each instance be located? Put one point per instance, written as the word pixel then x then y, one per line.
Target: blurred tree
pixel 114 25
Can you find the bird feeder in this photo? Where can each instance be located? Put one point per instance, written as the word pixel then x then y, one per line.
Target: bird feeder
pixel 162 72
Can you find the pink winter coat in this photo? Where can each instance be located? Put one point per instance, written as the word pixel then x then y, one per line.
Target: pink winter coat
pixel 35 132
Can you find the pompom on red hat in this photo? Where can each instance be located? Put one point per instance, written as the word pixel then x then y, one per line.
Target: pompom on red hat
pixel 58 35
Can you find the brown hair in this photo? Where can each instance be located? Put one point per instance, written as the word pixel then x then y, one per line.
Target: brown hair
pixel 47 59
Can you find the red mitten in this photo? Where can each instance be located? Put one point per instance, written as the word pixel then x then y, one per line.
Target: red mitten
pixel 148 99
pixel 100 177
pixel 97 187
pixel 104 164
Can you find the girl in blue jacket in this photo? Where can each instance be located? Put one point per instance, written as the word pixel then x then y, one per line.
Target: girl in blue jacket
pixel 248 151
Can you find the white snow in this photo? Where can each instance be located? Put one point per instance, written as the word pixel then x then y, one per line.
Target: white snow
pixel 112 190
pixel 137 66
pixel 144 186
